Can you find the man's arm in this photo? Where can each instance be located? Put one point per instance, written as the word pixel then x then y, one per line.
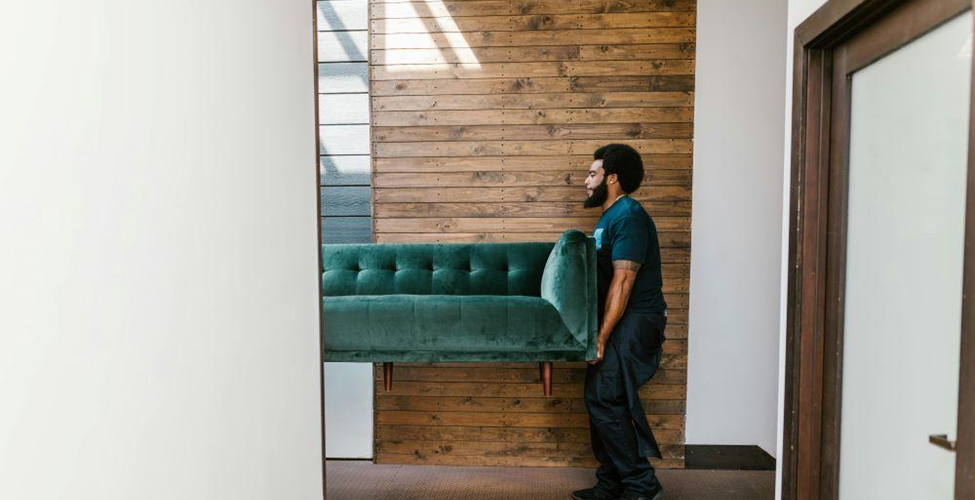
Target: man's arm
pixel 624 275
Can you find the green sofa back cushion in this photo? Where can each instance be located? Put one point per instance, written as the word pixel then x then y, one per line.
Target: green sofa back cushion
pixel 434 269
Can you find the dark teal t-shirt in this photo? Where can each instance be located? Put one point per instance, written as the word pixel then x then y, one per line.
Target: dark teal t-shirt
pixel 627 232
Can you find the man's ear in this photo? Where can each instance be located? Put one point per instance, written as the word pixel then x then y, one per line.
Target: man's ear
pixel 612 179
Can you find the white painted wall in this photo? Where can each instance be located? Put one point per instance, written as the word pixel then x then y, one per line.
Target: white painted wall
pixel 349 412
pixel 159 331
pixel 799 10
pixel 737 214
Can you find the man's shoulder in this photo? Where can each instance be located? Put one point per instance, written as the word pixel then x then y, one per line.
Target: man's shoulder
pixel 632 212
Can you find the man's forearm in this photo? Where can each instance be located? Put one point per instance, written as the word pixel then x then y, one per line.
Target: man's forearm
pixel 616 299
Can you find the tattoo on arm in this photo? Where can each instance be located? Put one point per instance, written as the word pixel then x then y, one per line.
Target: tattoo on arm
pixel 626 265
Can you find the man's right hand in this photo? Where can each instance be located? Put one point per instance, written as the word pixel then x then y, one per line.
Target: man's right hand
pixel 600 351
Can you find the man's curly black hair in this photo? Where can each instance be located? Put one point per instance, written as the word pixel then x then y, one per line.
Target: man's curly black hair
pixel 625 162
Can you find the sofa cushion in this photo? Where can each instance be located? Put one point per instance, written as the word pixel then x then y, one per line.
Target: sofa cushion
pixel 446 327
pixel 434 269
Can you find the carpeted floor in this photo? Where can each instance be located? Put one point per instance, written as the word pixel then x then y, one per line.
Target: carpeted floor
pixel 362 480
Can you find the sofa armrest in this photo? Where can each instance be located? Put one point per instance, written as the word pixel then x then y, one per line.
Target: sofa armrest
pixel 569 284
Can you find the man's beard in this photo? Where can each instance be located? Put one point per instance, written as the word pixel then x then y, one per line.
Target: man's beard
pixel 598 197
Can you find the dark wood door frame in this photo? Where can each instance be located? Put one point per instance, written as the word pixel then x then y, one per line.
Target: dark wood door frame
pixel 838 39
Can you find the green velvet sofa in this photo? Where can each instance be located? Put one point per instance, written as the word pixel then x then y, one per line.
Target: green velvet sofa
pixel 481 302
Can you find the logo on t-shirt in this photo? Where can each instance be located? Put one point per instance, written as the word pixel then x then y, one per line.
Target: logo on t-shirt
pixel 598 235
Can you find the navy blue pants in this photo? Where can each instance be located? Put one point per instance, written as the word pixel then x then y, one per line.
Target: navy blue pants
pixel 621 437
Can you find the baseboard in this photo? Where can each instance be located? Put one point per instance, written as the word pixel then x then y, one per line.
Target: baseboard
pixel 727 457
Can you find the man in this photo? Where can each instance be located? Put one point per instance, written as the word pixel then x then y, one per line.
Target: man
pixel 632 322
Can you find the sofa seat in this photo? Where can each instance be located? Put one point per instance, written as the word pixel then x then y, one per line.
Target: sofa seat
pixel 441 328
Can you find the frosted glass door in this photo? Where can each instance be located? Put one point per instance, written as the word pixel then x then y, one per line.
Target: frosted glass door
pixel 905 236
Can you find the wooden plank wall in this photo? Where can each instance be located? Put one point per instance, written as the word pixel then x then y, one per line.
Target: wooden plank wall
pixel 485 114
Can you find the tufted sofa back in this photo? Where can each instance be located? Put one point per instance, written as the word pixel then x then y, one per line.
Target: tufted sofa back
pixel 434 269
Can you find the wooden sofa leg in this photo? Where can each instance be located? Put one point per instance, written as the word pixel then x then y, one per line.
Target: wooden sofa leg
pixel 388 376
pixel 547 377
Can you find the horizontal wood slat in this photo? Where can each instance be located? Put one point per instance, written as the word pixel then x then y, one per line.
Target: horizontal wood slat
pixel 478 55
pixel 534 101
pixel 667 240
pixel 393 417
pixel 535 132
pixel 534 69
pixel 503 390
pixel 530 38
pixel 576 178
pixel 519 23
pixel 493 194
pixel 516 163
pixel 418 8
pixel 485 115
pixel 533 116
pixel 509 85
pixel 504 434
pixel 523 374
pixel 516 209
pixel 517 148
pixel 500 449
pixel 439 404
pixel 511 224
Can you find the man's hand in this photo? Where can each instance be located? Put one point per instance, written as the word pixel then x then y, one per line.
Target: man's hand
pixel 600 352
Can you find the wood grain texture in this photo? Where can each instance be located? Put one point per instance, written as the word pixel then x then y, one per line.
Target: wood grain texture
pixel 412 9
pixel 534 101
pixel 528 85
pixel 520 23
pixel 548 116
pixel 478 55
pixel 514 209
pixel 497 148
pixel 484 118
pixel 530 38
pixel 535 132
pixel 514 163
pixel 533 69
pixel 502 194
pixel 506 434
pixel 504 179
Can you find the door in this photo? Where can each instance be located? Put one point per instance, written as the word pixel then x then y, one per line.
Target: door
pixel 880 379
pixel 898 282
